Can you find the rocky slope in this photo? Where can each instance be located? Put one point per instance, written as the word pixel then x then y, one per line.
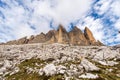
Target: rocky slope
pixel 59 62
pixel 74 37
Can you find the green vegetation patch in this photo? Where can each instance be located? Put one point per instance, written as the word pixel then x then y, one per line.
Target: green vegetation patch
pixel 105 74
pixel 31 63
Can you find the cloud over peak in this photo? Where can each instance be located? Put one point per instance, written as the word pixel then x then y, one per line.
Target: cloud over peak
pixel 22 18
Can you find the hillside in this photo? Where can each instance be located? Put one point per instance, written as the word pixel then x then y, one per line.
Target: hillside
pixel 59 62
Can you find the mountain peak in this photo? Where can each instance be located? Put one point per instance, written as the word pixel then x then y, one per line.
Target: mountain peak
pixel 75 28
pixel 60 27
pixel 62 35
pixel 74 37
pixel 42 33
pixel 86 28
pixel 88 34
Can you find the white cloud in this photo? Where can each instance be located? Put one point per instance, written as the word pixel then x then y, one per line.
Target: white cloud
pixel 95 25
pixel 117 39
pixel 117 27
pixel 20 15
pixel 109 7
pixel 117 24
pixel 63 11
pixel 115 7
pixel 110 17
pixel 102 6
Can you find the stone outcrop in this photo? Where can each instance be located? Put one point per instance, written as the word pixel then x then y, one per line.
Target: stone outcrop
pixel 77 37
pixel 89 36
pixel 50 36
pixel 74 37
pixel 23 40
pixel 38 39
pixel 48 60
pixel 62 35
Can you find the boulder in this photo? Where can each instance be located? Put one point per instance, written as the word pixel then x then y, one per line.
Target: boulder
pixel 38 39
pixel 50 69
pixel 88 66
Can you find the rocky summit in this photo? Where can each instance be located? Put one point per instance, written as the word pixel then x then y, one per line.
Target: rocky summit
pixel 74 37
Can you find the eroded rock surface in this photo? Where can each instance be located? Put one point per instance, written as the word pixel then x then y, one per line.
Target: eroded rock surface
pixel 74 37
pixel 89 35
pixel 59 61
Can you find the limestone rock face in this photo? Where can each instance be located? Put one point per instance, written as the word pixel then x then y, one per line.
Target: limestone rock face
pixel 99 43
pixel 11 42
pixel 74 37
pixel 31 38
pixel 62 35
pixel 77 37
pixel 23 40
pixel 89 36
pixel 50 36
pixel 38 39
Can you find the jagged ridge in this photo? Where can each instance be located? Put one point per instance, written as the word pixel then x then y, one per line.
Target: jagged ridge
pixel 74 37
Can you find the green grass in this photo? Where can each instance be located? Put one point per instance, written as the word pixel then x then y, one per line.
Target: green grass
pixel 33 76
pixel 22 74
pixel 103 73
pixel 69 63
pixel 31 63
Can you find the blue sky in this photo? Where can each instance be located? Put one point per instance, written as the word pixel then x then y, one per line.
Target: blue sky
pixel 19 18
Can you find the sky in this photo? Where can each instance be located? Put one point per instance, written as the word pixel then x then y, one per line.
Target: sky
pixel 20 18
